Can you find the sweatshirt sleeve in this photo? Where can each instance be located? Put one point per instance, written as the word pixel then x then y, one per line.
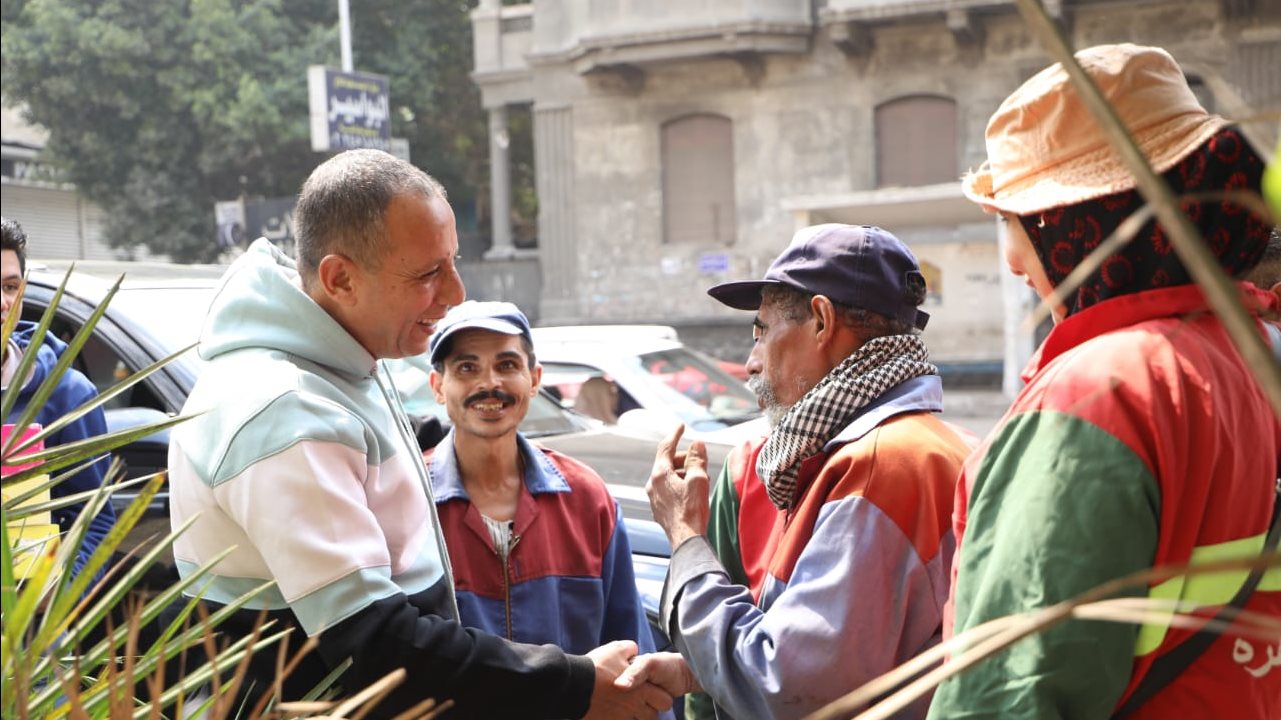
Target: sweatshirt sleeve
pixel 779 662
pixel 1058 506
pixel 307 514
pixel 73 391
pixel 446 660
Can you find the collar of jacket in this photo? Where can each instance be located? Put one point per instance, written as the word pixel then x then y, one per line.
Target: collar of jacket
pixel 1127 310
pixel 541 474
pixel 924 392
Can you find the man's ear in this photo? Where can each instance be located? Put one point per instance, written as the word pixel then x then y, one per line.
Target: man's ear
pixel 537 375
pixel 436 380
pixel 825 321
pixel 336 275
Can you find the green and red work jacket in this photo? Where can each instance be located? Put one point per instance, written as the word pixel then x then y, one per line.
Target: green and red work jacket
pixel 1140 440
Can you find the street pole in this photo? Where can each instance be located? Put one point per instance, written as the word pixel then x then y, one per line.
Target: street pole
pixel 344 32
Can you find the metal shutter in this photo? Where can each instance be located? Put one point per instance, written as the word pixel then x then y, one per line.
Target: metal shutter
pixel 49 217
pixel 57 223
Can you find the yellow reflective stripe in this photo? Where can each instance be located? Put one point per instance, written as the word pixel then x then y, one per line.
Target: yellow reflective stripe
pixel 1209 589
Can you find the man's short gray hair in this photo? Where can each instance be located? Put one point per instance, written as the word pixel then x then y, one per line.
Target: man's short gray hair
pixel 794 305
pixel 343 204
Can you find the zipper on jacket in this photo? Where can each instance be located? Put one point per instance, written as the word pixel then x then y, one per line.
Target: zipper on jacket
pixel 507 585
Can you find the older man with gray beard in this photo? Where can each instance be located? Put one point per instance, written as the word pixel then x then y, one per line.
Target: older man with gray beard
pixel 826 559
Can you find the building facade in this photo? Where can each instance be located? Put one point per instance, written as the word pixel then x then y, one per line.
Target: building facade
pixel 59 223
pixel 680 144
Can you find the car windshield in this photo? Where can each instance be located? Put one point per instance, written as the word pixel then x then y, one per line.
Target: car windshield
pixel 698 378
pixel 173 315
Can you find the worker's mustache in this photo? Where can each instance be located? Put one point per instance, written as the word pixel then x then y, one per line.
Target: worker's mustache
pixel 483 395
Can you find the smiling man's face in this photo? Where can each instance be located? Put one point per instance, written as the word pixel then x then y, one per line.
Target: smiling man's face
pixel 486 383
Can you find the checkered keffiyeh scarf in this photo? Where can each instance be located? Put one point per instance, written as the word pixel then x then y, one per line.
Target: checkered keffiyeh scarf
pixel 831 405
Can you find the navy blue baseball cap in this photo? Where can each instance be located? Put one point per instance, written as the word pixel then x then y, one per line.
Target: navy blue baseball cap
pixel 858 266
pixel 499 317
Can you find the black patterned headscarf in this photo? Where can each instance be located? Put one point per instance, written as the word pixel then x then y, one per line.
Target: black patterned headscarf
pixel 1064 236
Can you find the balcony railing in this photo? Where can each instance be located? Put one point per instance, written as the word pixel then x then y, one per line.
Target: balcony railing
pixel 605 33
pixel 847 22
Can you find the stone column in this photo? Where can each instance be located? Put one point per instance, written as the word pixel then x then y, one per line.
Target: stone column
pixel 500 186
pixel 557 220
pixel 1018 302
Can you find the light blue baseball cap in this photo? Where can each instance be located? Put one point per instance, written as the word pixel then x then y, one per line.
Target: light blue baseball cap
pixel 499 317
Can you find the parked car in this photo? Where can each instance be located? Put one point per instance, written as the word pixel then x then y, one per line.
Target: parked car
pixel 152 318
pixel 659 380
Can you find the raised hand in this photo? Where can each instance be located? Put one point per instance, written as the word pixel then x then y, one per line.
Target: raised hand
pixel 678 489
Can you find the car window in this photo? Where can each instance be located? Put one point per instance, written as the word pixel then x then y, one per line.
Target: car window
pixel 98 360
pixel 638 387
pixel 141 326
pixel 566 380
pixel 701 380
pixel 547 417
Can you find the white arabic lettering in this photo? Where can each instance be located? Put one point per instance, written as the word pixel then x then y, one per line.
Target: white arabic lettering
pixel 372 109
pixel 1243 653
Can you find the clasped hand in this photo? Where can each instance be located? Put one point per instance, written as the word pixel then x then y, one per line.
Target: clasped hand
pixel 630 687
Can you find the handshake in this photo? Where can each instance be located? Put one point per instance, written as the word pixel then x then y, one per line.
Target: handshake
pixel 636 686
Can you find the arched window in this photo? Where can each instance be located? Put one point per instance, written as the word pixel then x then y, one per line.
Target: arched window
pixel 698 180
pixel 916 141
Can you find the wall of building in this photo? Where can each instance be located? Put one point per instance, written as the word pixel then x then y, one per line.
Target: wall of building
pixel 58 222
pixel 803 125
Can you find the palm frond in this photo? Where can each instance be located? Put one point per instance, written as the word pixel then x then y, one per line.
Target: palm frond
pixel 68 356
pixel 982 641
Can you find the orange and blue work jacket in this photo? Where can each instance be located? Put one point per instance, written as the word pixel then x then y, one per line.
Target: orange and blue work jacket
pixel 781 612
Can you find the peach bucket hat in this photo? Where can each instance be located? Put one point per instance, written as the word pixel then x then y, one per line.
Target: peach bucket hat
pixel 1045 149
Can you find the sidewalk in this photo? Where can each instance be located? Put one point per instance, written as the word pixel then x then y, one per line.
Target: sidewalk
pixel 975 410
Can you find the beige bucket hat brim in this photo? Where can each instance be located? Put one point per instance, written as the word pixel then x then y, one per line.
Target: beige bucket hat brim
pixel 1046 151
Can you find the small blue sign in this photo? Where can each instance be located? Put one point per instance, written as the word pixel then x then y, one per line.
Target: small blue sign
pixel 713 262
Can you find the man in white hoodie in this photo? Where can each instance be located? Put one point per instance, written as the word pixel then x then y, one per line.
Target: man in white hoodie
pixel 304 461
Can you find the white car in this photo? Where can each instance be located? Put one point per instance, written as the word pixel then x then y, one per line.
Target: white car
pixel 657 381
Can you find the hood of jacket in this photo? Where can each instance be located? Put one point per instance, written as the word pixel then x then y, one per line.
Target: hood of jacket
pixel 47 353
pixel 261 304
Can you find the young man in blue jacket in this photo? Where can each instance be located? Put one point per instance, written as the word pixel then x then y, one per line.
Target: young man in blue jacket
pixel 538 547
pixel 73 390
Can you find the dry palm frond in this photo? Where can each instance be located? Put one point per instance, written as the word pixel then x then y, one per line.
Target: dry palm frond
pixel 362 703
pixel 980 642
